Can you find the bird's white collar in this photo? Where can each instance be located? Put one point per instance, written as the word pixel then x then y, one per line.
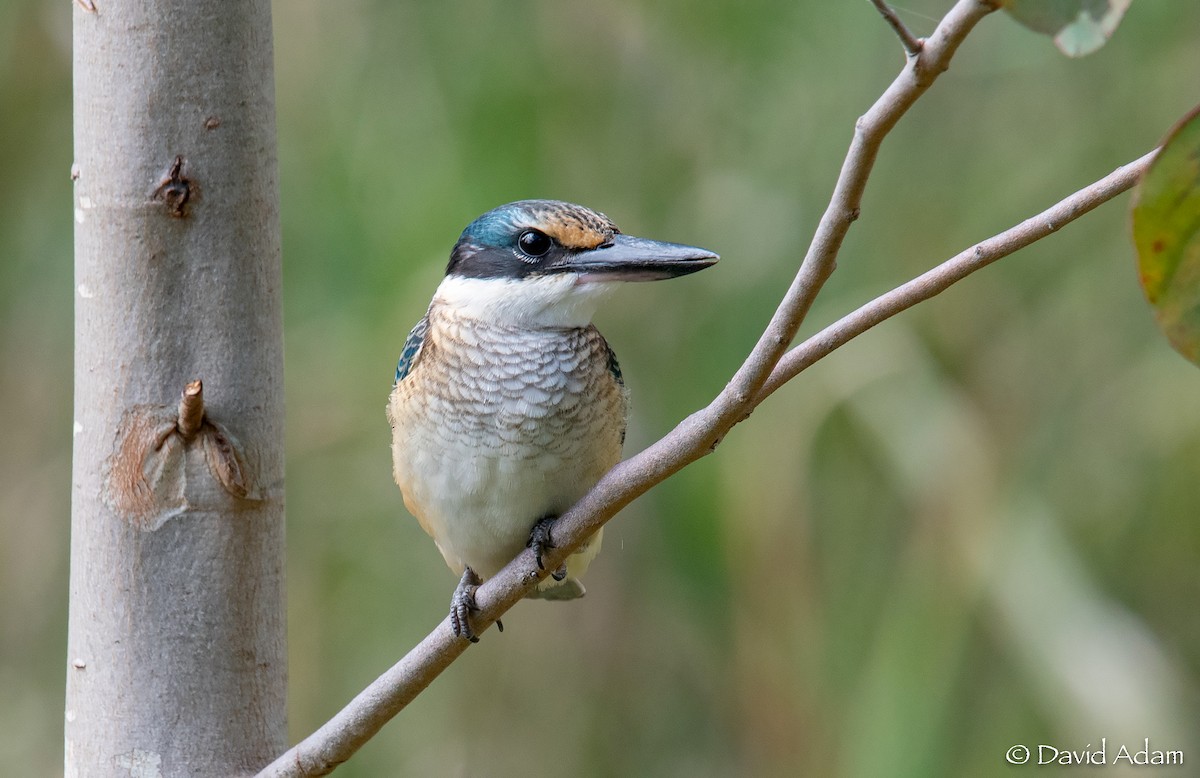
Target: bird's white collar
pixel 540 302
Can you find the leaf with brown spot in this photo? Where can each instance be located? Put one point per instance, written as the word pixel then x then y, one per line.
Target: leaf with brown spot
pixel 1166 234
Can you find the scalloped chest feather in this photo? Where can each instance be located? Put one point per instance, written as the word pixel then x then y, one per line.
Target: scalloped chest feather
pixel 496 427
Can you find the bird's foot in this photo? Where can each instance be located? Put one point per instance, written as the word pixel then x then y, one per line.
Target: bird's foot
pixel 462 605
pixel 540 540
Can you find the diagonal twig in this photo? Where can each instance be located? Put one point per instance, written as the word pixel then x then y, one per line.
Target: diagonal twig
pixel 399 685
pixel 736 401
pixel 953 270
pixel 693 438
pixel 911 43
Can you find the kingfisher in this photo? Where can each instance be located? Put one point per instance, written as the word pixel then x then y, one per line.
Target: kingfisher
pixel 508 404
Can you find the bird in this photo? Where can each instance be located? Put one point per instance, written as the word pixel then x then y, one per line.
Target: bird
pixel 508 404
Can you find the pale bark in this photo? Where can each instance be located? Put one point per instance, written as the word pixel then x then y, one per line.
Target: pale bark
pixel 176 647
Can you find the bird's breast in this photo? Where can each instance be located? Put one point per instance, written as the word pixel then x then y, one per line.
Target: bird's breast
pixel 496 427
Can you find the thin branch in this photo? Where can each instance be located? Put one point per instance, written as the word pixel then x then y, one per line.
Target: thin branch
pixel 953 270
pixel 919 73
pixel 342 735
pixel 693 438
pixel 911 43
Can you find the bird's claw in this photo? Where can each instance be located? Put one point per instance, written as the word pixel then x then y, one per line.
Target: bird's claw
pixel 462 605
pixel 539 541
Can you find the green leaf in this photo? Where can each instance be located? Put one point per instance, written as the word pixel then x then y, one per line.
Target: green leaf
pixel 1166 233
pixel 1079 27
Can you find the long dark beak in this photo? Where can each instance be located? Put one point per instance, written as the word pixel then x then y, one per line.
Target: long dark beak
pixel 626 258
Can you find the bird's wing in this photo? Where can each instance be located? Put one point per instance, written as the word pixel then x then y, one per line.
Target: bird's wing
pixel 613 366
pixel 412 349
pixel 614 369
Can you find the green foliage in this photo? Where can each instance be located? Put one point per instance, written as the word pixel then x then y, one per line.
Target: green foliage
pixel 1079 27
pixel 972 527
pixel 1166 231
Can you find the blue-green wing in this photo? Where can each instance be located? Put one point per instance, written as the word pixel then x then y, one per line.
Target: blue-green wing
pixel 412 349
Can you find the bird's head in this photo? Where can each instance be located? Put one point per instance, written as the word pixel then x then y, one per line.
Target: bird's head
pixel 546 263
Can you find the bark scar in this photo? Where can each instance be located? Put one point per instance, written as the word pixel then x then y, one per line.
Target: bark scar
pixel 147 474
pixel 175 189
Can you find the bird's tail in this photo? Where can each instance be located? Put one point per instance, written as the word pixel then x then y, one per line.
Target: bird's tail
pixel 566 589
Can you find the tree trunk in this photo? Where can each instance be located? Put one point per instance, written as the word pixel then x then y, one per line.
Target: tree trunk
pixel 177 645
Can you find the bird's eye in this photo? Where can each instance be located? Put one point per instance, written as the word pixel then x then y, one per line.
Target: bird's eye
pixel 533 243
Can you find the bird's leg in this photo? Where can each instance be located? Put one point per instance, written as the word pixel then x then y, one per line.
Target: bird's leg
pixel 539 541
pixel 462 603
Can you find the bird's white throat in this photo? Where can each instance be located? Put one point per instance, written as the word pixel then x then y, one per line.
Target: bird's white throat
pixel 552 301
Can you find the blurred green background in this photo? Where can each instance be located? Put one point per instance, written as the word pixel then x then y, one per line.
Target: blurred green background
pixel 973 527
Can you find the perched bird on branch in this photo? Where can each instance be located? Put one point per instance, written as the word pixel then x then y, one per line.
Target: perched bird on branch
pixel 508 404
